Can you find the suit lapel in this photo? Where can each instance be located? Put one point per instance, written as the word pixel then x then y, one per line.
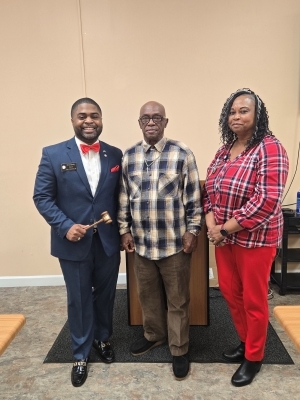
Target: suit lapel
pixel 104 160
pixel 74 155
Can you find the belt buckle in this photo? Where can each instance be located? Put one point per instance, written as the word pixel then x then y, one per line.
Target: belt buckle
pixel 95 230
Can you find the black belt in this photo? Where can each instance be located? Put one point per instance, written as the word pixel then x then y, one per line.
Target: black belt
pixel 95 230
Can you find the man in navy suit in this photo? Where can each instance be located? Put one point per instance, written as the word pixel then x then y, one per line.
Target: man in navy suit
pixel 76 181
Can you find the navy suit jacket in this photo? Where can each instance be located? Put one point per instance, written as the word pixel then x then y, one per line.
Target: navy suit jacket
pixel 63 197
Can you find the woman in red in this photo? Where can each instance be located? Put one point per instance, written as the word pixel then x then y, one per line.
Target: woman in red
pixel 242 204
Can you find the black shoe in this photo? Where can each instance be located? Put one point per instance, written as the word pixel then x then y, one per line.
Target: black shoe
pixel 143 345
pixel 79 372
pixel 105 351
pixel 181 366
pixel 235 355
pixel 246 372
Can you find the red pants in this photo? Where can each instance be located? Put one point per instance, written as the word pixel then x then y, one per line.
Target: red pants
pixel 243 278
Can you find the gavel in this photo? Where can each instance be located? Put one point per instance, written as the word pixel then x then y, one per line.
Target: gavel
pixel 105 218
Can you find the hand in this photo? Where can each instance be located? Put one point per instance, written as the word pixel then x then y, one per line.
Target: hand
pixel 214 236
pixel 76 232
pixel 127 242
pixel 189 242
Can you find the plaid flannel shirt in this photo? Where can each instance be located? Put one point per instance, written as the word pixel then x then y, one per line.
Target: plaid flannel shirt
pixel 159 205
pixel 250 189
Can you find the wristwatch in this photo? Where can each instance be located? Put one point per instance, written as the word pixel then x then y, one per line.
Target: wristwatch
pixel 223 231
pixel 195 232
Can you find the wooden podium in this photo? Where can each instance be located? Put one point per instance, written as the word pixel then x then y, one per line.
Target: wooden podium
pixel 198 286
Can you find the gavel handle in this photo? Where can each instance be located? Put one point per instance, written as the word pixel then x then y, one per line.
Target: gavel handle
pixel 95 223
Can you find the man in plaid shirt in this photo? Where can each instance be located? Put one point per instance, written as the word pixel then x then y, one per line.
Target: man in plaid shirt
pixel 159 218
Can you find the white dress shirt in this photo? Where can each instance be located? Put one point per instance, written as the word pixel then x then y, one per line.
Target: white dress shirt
pixel 91 164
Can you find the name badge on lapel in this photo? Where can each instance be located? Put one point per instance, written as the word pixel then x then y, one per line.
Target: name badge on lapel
pixel 69 167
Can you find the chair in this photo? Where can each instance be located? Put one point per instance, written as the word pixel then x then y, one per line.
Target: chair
pixel 10 325
pixel 289 319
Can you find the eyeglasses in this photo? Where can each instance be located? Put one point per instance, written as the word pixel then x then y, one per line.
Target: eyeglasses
pixel 145 119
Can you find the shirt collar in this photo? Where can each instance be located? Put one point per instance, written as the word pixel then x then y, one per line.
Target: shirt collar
pixel 159 146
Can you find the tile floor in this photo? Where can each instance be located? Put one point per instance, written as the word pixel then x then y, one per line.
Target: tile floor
pixel 24 376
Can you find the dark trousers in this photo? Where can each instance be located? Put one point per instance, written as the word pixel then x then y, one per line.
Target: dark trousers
pixel 174 274
pixel 91 287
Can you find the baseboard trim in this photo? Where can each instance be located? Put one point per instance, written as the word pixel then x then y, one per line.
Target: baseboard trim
pixel 42 280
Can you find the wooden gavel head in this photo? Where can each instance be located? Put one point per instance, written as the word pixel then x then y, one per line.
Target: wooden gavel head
pixel 105 218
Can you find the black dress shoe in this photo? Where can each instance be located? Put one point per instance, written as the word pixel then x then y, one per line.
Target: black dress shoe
pixel 181 366
pixel 143 345
pixel 79 372
pixel 105 351
pixel 235 355
pixel 246 372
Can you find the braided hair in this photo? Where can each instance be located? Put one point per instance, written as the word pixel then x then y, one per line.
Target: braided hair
pixel 261 120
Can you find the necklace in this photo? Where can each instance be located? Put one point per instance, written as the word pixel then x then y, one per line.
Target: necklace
pixel 148 164
pixel 218 163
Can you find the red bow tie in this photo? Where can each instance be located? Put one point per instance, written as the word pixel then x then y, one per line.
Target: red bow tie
pixel 85 148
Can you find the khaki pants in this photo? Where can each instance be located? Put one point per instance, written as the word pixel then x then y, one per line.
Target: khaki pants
pixel 174 274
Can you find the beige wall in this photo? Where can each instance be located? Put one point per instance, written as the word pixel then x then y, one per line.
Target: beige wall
pixel 187 54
